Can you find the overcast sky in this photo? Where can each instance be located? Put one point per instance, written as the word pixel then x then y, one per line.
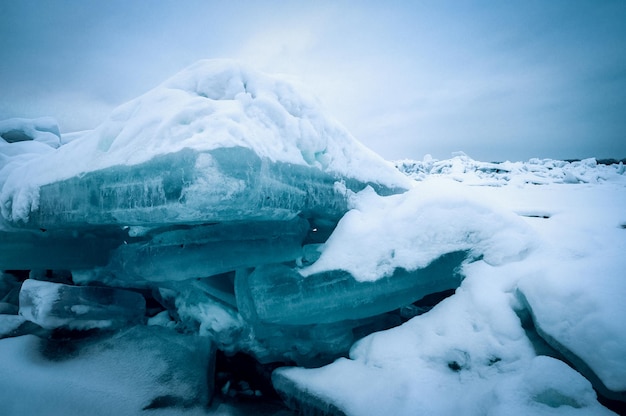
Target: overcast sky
pixel 496 79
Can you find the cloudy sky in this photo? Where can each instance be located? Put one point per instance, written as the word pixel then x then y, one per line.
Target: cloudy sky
pixel 496 79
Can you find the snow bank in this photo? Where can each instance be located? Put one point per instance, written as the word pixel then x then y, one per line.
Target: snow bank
pixel 22 140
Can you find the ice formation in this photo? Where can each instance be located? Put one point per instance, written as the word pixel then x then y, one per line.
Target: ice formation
pixel 216 142
pixel 223 215
pixel 55 305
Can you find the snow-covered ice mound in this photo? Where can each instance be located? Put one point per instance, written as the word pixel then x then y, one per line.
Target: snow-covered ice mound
pixel 216 142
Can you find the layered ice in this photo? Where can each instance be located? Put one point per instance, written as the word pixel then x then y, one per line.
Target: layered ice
pixel 58 249
pixel 469 355
pixel 207 250
pixel 209 307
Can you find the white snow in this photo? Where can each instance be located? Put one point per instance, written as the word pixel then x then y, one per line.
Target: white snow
pixel 470 355
pixel 536 171
pixel 559 243
pixel 412 229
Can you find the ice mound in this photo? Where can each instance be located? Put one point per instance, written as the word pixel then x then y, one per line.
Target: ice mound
pixel 216 142
pixel 499 344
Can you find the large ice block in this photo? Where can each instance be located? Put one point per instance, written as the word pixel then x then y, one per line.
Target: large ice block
pixel 278 294
pixel 178 253
pixel 58 249
pixel 206 307
pixel 55 305
pixel 231 184
pixel 607 376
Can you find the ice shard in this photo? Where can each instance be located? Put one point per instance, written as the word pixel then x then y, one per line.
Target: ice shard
pixel 55 305
pixel 278 294
pixel 605 379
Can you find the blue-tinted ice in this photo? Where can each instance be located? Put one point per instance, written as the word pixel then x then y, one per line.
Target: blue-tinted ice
pixel 55 305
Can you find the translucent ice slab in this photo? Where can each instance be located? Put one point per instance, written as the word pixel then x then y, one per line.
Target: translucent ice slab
pixel 58 249
pixel 216 142
pixel 278 294
pixel 228 184
pixel 184 252
pixel 55 305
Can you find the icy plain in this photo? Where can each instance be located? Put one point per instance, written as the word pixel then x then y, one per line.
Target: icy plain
pixel 225 211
